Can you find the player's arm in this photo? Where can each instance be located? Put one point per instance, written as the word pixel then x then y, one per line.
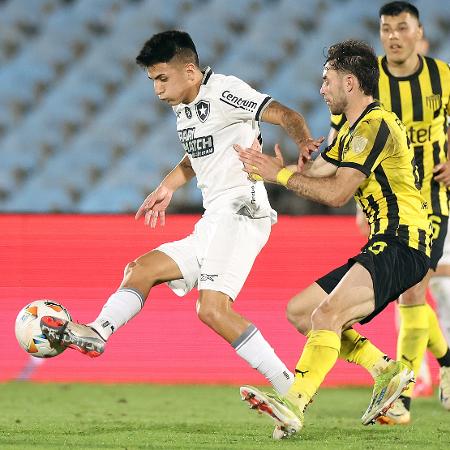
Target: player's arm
pixel 333 190
pixel 181 174
pixel 442 171
pixel 318 168
pixel 156 203
pixel 294 124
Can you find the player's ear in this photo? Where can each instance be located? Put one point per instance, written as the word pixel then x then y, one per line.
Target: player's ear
pixel 420 31
pixel 190 71
pixel 349 82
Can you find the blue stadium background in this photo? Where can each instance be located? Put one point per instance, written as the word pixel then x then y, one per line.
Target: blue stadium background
pixel 80 128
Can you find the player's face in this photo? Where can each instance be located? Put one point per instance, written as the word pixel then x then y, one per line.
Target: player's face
pixel 399 36
pixel 333 91
pixel 171 82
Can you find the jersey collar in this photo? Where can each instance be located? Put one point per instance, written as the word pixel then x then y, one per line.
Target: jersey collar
pixel 384 65
pixel 368 108
pixel 207 72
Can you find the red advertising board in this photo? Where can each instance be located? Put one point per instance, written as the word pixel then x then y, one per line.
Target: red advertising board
pixel 78 260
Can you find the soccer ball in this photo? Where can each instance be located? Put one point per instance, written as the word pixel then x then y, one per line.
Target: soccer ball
pixel 28 329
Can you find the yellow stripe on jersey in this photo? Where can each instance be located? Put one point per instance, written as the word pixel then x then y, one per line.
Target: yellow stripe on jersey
pixel 422 102
pixel 377 145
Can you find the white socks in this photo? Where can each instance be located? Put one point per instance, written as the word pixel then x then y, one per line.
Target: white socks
pixel 120 307
pixel 252 347
pixel 440 288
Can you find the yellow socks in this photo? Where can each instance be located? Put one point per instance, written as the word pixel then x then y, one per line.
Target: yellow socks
pixel 318 357
pixel 436 340
pixel 359 350
pixel 412 338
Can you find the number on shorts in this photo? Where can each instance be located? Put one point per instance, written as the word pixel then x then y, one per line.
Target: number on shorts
pixel 377 247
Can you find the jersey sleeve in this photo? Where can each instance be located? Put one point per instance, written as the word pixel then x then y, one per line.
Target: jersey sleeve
pixel 240 101
pixel 331 153
pixel 368 146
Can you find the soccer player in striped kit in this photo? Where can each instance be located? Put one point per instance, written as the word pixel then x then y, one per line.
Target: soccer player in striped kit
pixel 417 89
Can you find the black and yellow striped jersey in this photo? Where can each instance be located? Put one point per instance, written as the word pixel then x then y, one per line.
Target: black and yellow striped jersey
pixel 377 145
pixel 422 103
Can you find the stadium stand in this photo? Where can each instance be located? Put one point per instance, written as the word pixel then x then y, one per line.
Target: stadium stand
pixel 80 128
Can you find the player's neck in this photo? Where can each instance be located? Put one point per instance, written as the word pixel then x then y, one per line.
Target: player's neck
pixel 356 108
pixel 404 68
pixel 195 88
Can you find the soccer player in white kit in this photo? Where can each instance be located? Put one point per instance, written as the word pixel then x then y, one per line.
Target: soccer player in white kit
pixel 213 112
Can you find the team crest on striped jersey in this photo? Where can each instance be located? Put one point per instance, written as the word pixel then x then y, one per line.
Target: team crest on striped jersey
pixel 434 101
pixel 358 144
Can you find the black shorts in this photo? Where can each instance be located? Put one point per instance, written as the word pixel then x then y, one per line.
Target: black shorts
pixel 393 266
pixel 439 224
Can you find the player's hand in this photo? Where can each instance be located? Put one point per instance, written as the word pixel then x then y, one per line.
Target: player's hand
pixel 306 149
pixel 265 166
pixel 154 206
pixel 442 173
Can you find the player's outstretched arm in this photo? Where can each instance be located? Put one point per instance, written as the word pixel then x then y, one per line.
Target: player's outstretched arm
pixel 332 190
pixel 295 126
pixel 156 203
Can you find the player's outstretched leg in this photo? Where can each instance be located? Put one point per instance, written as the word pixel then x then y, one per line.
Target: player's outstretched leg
pixel 389 385
pixel 287 417
pixel 73 335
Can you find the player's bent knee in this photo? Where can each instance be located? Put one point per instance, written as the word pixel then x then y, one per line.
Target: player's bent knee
pixel 141 273
pixel 301 320
pixel 129 268
pixel 208 314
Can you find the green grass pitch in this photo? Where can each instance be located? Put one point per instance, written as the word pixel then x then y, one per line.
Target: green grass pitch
pixel 94 416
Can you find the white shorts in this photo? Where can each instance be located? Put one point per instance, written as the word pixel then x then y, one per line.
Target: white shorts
pixel 219 254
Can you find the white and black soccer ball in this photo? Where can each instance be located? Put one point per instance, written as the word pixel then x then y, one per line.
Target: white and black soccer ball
pixel 28 329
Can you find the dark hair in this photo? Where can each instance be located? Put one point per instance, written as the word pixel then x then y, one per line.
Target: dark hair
pixel 396 8
pixel 163 47
pixel 357 58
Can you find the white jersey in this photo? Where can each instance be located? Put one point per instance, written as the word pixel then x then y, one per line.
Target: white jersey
pixel 226 111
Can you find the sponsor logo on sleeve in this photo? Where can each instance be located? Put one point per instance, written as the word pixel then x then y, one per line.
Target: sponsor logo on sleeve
pixel 237 102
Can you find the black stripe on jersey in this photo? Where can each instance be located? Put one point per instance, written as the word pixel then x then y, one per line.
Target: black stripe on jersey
pixel 376 210
pixel 416 96
pixel 403 233
pixel 435 186
pixel 341 148
pixel 261 107
pixel 418 159
pixel 435 79
pixel 391 201
pixel 356 166
pixel 260 139
pixel 378 145
pixel 396 105
pixel 422 241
